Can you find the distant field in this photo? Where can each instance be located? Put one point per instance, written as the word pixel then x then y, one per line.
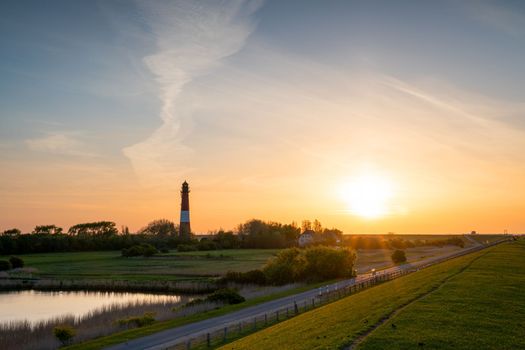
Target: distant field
pixel 173 266
pixel 486 238
pixel 198 265
pixel 412 237
pixel 473 302
pixel 368 259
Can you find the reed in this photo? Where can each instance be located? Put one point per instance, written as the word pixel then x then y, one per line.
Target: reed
pixel 100 322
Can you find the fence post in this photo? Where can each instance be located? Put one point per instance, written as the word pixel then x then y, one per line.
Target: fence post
pixel 208 340
pixel 225 334
pixel 265 319
pixel 255 323
pixel 287 312
pixel 313 303
pixel 296 309
pixel 188 344
pixel 240 327
pixel 277 315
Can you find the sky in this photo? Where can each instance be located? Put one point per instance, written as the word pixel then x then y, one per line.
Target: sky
pixel 370 116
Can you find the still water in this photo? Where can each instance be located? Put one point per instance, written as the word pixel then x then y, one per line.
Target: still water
pixel 37 306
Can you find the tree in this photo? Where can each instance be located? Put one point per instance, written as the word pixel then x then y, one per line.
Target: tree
pixel 161 227
pixel 287 267
pixel 47 229
pixel 318 228
pixel 101 228
pixel 12 232
pixel 64 334
pixel 260 234
pixel 398 256
pixel 226 240
pixel 306 225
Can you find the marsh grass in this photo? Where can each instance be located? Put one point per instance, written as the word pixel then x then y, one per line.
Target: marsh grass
pixel 100 322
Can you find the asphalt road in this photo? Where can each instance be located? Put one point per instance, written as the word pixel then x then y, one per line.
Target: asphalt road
pixel 170 337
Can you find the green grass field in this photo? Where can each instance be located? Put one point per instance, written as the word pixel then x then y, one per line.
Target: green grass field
pixel 172 266
pixel 483 308
pixel 198 265
pixel 473 302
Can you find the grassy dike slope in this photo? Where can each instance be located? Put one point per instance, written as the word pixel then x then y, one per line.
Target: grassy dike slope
pixel 339 324
pixel 483 308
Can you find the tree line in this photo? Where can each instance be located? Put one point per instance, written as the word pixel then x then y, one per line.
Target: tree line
pixel 391 242
pixel 162 234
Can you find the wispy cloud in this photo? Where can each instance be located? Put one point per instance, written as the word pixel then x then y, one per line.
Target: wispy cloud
pixel 191 38
pixel 59 143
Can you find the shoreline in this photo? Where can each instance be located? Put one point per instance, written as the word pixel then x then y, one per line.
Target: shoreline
pixel 179 287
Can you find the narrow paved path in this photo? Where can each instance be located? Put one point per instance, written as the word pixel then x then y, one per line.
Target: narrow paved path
pixel 170 337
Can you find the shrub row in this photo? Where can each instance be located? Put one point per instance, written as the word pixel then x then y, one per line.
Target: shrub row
pixel 291 265
pixel 143 249
pixel 223 295
pixel 13 263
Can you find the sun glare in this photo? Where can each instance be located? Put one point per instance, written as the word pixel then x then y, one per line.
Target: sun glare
pixel 368 196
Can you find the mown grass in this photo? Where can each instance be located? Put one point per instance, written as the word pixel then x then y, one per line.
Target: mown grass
pixel 172 266
pixel 483 308
pixel 338 324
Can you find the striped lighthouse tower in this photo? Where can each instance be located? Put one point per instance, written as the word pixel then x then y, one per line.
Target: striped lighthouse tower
pixel 184 228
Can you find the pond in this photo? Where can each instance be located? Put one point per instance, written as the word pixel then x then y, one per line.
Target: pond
pixel 35 306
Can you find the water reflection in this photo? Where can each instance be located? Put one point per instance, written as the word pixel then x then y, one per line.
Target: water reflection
pixel 37 306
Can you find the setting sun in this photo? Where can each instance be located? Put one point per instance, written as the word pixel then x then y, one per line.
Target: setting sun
pixel 368 196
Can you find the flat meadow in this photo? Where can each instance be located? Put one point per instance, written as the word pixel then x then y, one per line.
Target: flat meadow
pixel 188 266
pixel 111 265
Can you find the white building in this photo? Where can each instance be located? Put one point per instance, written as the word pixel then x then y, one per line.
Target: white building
pixel 306 238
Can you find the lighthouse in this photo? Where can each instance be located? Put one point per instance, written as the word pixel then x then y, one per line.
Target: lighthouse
pixel 184 228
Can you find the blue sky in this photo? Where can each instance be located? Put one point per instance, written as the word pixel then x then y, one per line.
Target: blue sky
pixel 106 106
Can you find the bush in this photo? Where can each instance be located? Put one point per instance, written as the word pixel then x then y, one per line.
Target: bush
pixel 143 249
pixel 5 265
pixel 138 321
pixel 186 248
pixel 64 334
pixel 193 302
pixel 16 262
pixel 226 295
pixel 207 245
pixel 312 264
pixel 324 263
pixel 148 250
pixel 287 267
pixel 398 256
pixel 250 277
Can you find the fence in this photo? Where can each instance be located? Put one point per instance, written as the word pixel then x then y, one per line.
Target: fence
pixel 228 332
